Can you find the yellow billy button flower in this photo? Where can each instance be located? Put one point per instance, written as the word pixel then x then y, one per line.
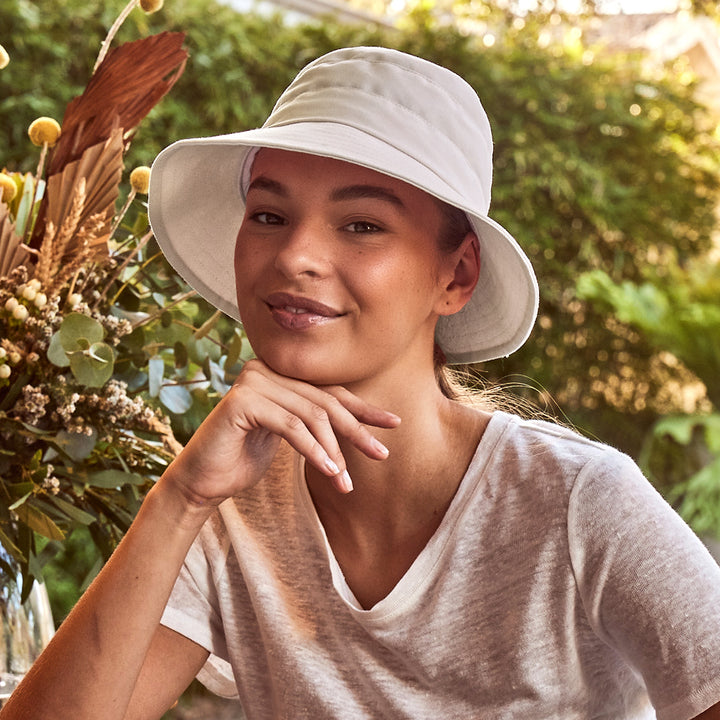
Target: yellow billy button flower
pixel 4 58
pixel 151 6
pixel 44 130
pixel 8 188
pixel 140 179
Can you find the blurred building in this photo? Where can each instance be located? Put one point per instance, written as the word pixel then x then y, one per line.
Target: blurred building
pixel 667 37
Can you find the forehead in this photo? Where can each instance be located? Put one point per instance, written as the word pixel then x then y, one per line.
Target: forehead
pixel 287 168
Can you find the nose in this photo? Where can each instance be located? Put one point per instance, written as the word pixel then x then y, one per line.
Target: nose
pixel 303 250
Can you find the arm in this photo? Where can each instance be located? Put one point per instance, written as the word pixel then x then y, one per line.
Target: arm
pixel 92 664
pixel 110 658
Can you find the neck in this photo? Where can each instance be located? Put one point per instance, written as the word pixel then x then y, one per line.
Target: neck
pixel 377 531
pixel 429 454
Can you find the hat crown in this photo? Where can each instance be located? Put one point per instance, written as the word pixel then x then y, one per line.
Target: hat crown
pixel 421 109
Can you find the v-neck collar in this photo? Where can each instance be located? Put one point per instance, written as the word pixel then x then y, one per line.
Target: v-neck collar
pixel 421 573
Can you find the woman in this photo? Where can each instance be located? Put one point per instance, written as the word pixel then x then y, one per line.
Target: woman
pixel 341 537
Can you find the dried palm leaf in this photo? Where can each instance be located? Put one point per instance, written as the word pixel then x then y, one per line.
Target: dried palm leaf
pixel 79 205
pixel 12 251
pixel 126 86
pixel 100 166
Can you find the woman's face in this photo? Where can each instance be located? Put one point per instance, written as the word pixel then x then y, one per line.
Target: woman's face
pixel 338 271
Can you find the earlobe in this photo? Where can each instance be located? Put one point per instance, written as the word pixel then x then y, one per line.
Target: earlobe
pixel 464 275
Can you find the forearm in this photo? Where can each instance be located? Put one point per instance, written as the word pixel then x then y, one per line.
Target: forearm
pixel 92 664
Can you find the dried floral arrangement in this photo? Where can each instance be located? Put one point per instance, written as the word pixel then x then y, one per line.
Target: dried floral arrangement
pixel 81 435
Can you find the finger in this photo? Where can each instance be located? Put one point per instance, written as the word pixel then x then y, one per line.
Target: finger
pixel 325 416
pixel 336 407
pixel 362 410
pixel 291 420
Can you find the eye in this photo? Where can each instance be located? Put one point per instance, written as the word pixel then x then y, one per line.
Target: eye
pixel 362 226
pixel 267 218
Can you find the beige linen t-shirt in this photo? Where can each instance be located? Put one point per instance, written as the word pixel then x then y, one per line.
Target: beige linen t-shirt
pixel 558 585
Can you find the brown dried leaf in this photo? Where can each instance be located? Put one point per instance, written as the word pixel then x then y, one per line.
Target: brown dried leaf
pixel 12 252
pixel 126 86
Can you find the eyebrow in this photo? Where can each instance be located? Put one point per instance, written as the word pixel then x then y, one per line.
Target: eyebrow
pixel 373 192
pixel 349 192
pixel 264 183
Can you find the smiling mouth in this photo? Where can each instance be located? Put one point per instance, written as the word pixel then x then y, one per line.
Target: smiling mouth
pixel 297 313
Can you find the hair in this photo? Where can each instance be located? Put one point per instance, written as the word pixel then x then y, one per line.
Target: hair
pixel 459 383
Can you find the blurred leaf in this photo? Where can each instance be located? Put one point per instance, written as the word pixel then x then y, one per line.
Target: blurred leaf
pixel 77 446
pixel 39 522
pixel 113 479
pixel 181 355
pixel 73 512
pixel 156 370
pixel 176 398
pixel 56 353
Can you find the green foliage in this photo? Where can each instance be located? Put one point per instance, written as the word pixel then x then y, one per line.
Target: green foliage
pixel 678 312
pixel 78 344
pixel 677 309
pixel 682 457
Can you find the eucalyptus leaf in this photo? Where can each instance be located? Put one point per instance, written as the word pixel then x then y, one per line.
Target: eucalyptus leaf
pixel 95 366
pixel 56 352
pixel 176 398
pixel 78 332
pixel 217 378
pixel 77 446
pixel 113 479
pixel 156 370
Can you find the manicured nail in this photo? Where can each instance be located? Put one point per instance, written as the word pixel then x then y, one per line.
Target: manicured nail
pixel 380 447
pixel 346 482
pixel 331 466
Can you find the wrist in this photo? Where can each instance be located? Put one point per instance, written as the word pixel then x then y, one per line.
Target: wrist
pixel 180 505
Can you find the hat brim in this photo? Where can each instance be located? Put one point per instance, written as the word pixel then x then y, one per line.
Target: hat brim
pixel 196 207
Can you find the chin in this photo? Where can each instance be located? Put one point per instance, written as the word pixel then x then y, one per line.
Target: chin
pixel 313 372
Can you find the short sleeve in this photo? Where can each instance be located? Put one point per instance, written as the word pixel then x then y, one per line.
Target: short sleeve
pixel 649 587
pixel 192 611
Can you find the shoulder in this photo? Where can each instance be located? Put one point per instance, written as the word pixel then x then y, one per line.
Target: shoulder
pixel 543 452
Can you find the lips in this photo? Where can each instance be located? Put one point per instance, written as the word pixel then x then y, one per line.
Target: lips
pixel 298 313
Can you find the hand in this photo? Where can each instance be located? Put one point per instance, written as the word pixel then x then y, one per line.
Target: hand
pixel 233 448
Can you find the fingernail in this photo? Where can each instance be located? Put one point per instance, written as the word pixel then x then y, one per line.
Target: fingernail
pixel 331 466
pixel 346 482
pixel 380 447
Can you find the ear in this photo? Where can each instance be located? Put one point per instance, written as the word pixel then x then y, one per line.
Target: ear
pixel 463 274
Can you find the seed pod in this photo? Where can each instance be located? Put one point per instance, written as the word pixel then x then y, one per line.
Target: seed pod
pixel 151 6
pixel 8 188
pixel 140 179
pixel 44 130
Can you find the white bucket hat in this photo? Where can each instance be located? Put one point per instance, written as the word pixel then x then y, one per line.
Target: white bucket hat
pixel 382 109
